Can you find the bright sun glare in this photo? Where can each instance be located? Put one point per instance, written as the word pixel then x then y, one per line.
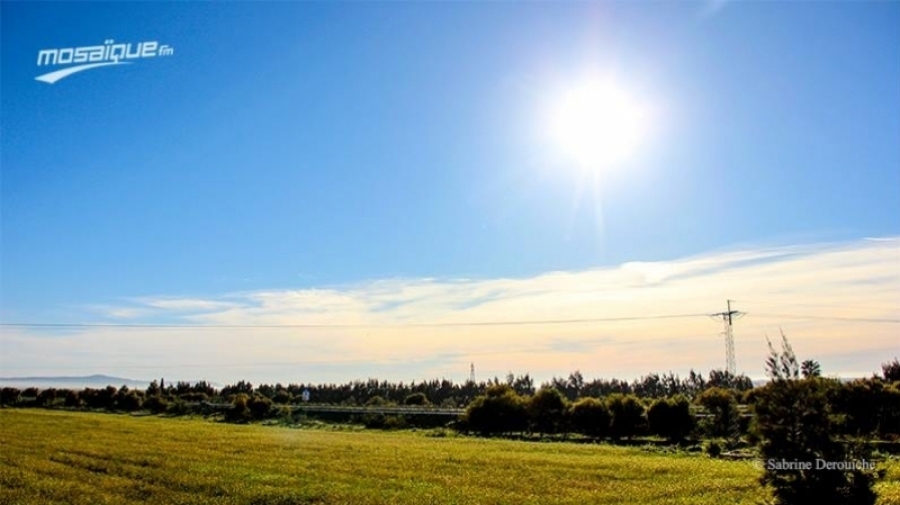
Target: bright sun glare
pixel 597 125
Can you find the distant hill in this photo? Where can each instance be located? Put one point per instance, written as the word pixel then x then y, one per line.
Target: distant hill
pixel 93 381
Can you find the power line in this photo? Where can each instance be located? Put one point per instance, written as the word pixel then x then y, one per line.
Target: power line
pixel 339 325
pixel 809 305
pixel 832 318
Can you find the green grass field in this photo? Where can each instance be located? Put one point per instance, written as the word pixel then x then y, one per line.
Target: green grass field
pixel 81 458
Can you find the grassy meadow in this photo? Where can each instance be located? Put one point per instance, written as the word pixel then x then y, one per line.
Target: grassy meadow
pixel 83 458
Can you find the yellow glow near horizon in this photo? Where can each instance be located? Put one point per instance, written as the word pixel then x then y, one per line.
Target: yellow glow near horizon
pixel 597 125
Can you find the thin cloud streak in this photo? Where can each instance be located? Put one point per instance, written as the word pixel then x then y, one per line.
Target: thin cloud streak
pixel 774 285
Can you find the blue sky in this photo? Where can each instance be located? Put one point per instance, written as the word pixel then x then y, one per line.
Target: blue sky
pixel 322 149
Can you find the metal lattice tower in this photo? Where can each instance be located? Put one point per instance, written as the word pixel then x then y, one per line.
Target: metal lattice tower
pixel 728 317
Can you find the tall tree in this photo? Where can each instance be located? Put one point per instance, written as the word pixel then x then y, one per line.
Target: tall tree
pixel 782 365
pixel 794 425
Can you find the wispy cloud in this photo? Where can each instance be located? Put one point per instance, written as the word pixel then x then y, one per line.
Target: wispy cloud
pixel 858 281
pixel 184 304
pixel 154 307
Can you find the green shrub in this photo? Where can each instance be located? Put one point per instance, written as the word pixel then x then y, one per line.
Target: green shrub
pixel 376 401
pixel 500 410
pixel 260 407
pixel 721 404
pixel 239 411
pixel 547 410
pixel 373 421
pixel 130 402
pixel 178 407
pixel 73 399
pixel 591 417
pixel 670 418
pixel 416 399
pixel 282 397
pixel 156 404
pixel 47 397
pixel 713 448
pixel 627 415
pixel 394 422
pixel 9 396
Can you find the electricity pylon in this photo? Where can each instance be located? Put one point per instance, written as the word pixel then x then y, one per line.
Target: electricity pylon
pixel 729 316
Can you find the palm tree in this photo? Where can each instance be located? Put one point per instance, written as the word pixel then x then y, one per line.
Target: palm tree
pixel 811 368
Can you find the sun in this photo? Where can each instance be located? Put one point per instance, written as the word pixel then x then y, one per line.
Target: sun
pixel 597 125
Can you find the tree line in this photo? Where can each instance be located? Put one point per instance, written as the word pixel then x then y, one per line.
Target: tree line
pixel 715 406
pixel 443 392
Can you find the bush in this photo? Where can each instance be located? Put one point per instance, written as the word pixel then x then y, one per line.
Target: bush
pixel 589 416
pixel 627 415
pixel 260 407
pixel 282 397
pixel 889 425
pixel 178 407
pixel 670 418
pixel 130 402
pixel 239 410
pixel 194 397
pixel 500 410
pixel 867 407
pixel 383 422
pixel 712 448
pixel 9 396
pixel 73 399
pixel 377 401
pixel 416 399
pixel 47 397
pixel 721 405
pixel 546 411
pixel 373 421
pixel 156 404
pixel 100 398
pixel 394 422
